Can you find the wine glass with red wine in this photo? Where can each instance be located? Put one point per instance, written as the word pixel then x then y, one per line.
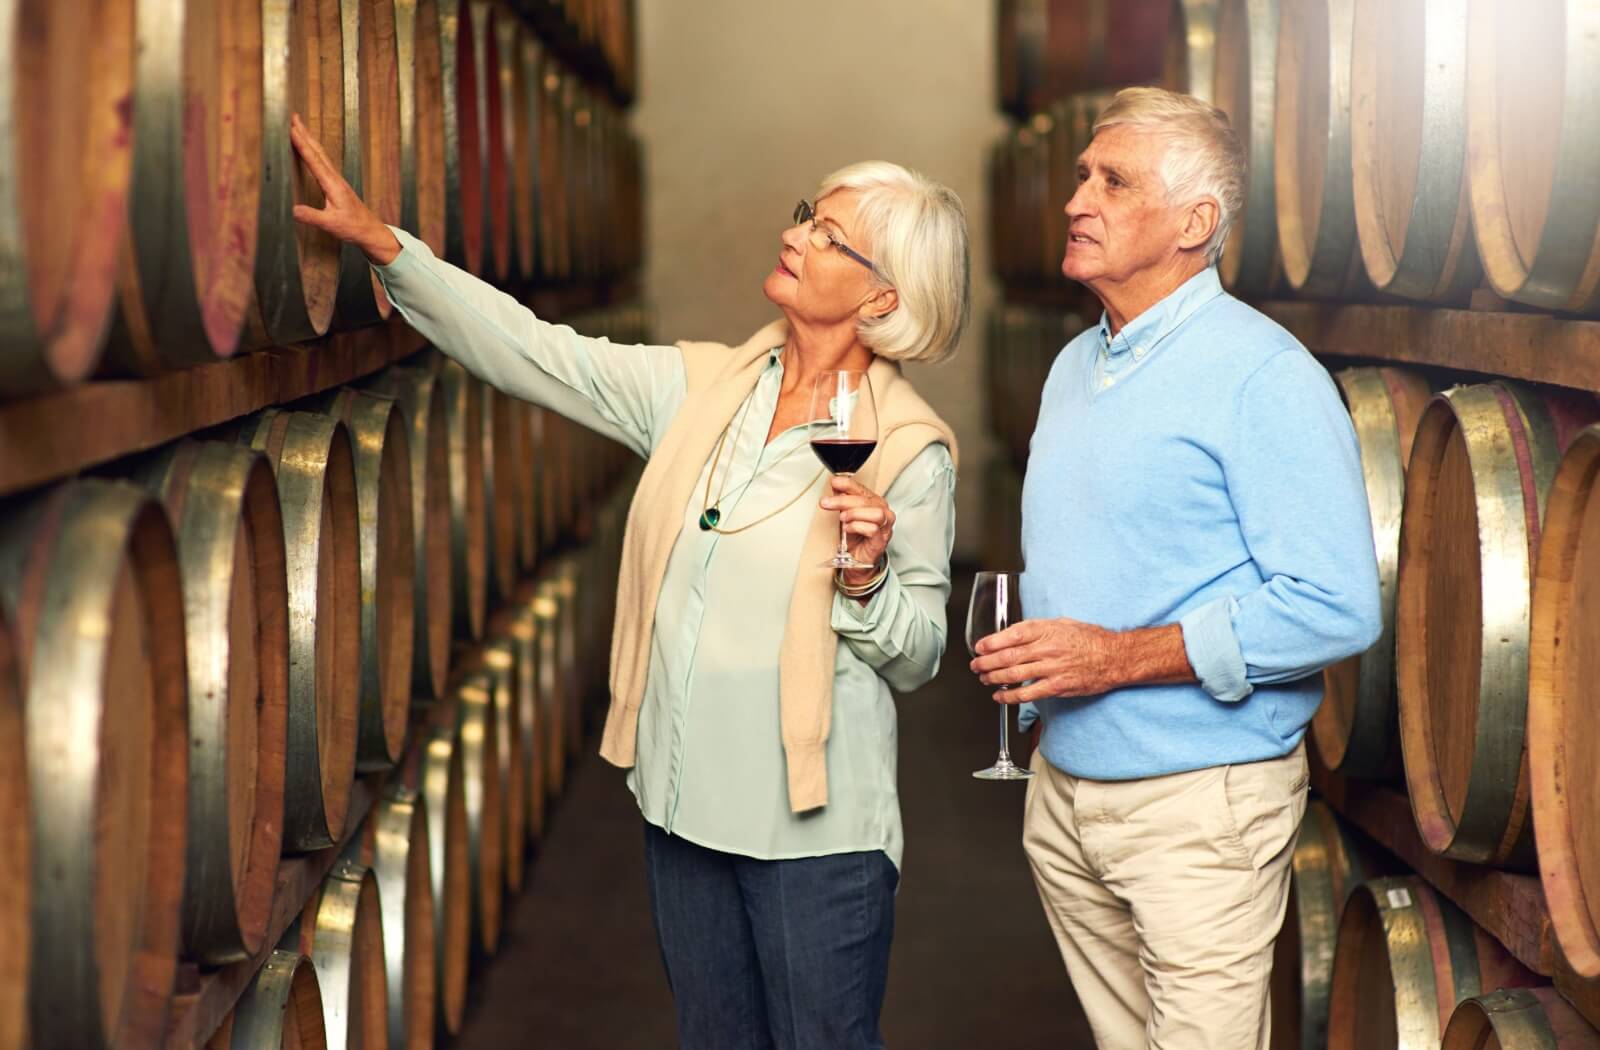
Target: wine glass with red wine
pixel 844 431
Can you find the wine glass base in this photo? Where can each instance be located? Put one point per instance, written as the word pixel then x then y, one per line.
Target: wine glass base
pixel 844 561
pixel 1005 769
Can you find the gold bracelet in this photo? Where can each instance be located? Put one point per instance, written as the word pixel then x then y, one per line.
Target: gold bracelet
pixel 866 589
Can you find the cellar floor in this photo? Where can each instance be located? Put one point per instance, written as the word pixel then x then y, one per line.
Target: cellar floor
pixel 973 965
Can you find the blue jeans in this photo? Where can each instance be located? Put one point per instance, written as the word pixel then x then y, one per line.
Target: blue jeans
pixel 772 954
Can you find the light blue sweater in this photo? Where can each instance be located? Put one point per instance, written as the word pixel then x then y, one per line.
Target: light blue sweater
pixel 1198 468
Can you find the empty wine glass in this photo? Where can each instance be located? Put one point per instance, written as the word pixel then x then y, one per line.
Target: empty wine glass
pixel 995 605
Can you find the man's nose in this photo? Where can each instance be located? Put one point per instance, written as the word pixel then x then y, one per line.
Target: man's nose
pixel 1079 203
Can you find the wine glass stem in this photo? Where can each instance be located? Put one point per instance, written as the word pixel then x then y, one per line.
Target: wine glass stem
pixel 1005 742
pixel 844 545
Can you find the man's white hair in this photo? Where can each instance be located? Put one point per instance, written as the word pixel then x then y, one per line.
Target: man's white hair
pixel 1202 156
pixel 917 233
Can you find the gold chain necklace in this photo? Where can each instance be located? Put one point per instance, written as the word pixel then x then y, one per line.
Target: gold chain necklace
pixel 711 513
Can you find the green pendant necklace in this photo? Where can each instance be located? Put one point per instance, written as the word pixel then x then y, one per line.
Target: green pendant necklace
pixel 711 512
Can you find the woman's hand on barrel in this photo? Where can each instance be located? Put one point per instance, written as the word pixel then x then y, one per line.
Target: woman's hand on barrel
pixel 867 521
pixel 344 214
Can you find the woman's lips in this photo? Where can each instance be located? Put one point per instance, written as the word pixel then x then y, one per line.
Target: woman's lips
pixel 785 270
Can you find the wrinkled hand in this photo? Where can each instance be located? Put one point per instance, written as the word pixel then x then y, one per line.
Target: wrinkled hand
pixel 867 521
pixel 1058 657
pixel 344 214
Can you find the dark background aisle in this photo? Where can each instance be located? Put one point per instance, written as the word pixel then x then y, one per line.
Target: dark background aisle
pixel 973 963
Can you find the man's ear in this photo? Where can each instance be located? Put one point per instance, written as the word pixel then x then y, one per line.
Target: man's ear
pixel 1199 223
pixel 880 303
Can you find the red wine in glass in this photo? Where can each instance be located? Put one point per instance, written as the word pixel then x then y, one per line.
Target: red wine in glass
pixel 843 455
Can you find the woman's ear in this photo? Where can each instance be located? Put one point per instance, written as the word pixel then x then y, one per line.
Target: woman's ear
pixel 881 303
pixel 1199 224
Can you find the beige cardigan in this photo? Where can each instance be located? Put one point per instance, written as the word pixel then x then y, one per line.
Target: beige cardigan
pixel 719 379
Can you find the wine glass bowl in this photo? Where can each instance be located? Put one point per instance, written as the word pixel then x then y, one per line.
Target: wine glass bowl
pixel 996 604
pixel 843 429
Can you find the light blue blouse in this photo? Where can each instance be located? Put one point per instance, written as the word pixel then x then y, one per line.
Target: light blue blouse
pixel 710 762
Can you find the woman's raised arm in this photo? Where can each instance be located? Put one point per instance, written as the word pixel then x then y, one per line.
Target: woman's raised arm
pixel 627 393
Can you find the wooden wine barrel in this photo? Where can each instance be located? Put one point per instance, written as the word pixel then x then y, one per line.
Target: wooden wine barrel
pixel 1532 151
pixel 405 892
pixel 525 643
pixel 1562 739
pixel 1481 466
pixel 65 151
pixel 1405 957
pixel 474 77
pixel 569 478
pixel 223 504
pixel 16 848
pixel 554 245
pixel 384 502
pixel 1020 39
pixel 479 737
pixel 589 233
pixel 500 660
pixel 1092 44
pixel 486 16
pixel 1315 202
pixel 441 782
pixel 371 161
pixel 469 555
pixel 1408 147
pixel 186 276
pixel 1519 1019
pixel 89 574
pixel 420 396
pixel 421 94
pixel 1328 865
pixel 281 1010
pixel 568 576
pixel 341 930
pixel 1356 730
pixel 519 65
pixel 1189 62
pixel 1245 89
pixel 455 240
pixel 502 468
pixel 317 492
pixel 297 266
pixel 528 484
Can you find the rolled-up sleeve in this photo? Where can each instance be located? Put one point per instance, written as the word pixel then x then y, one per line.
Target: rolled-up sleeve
pixel 900 632
pixel 1294 476
pixel 627 393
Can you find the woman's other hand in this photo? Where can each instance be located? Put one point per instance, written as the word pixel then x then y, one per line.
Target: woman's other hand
pixel 868 524
pixel 344 214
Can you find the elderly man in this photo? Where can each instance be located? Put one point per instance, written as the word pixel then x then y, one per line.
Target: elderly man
pixel 1198 547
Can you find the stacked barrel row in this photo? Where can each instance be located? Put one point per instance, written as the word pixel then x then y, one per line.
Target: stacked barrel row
pixel 1372 958
pixel 151 179
pixel 1397 149
pixel 205 648
pixel 417 900
pixel 1475 700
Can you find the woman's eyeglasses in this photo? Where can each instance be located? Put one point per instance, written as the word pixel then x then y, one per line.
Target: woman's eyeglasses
pixel 822 239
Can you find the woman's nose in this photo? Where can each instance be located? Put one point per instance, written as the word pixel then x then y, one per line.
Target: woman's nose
pixel 795 236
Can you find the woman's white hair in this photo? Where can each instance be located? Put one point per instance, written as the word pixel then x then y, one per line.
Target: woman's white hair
pixel 1202 158
pixel 917 233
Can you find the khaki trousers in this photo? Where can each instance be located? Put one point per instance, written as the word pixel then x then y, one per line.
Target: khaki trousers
pixel 1165 896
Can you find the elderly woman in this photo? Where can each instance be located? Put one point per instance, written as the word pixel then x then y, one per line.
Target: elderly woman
pixel 750 685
